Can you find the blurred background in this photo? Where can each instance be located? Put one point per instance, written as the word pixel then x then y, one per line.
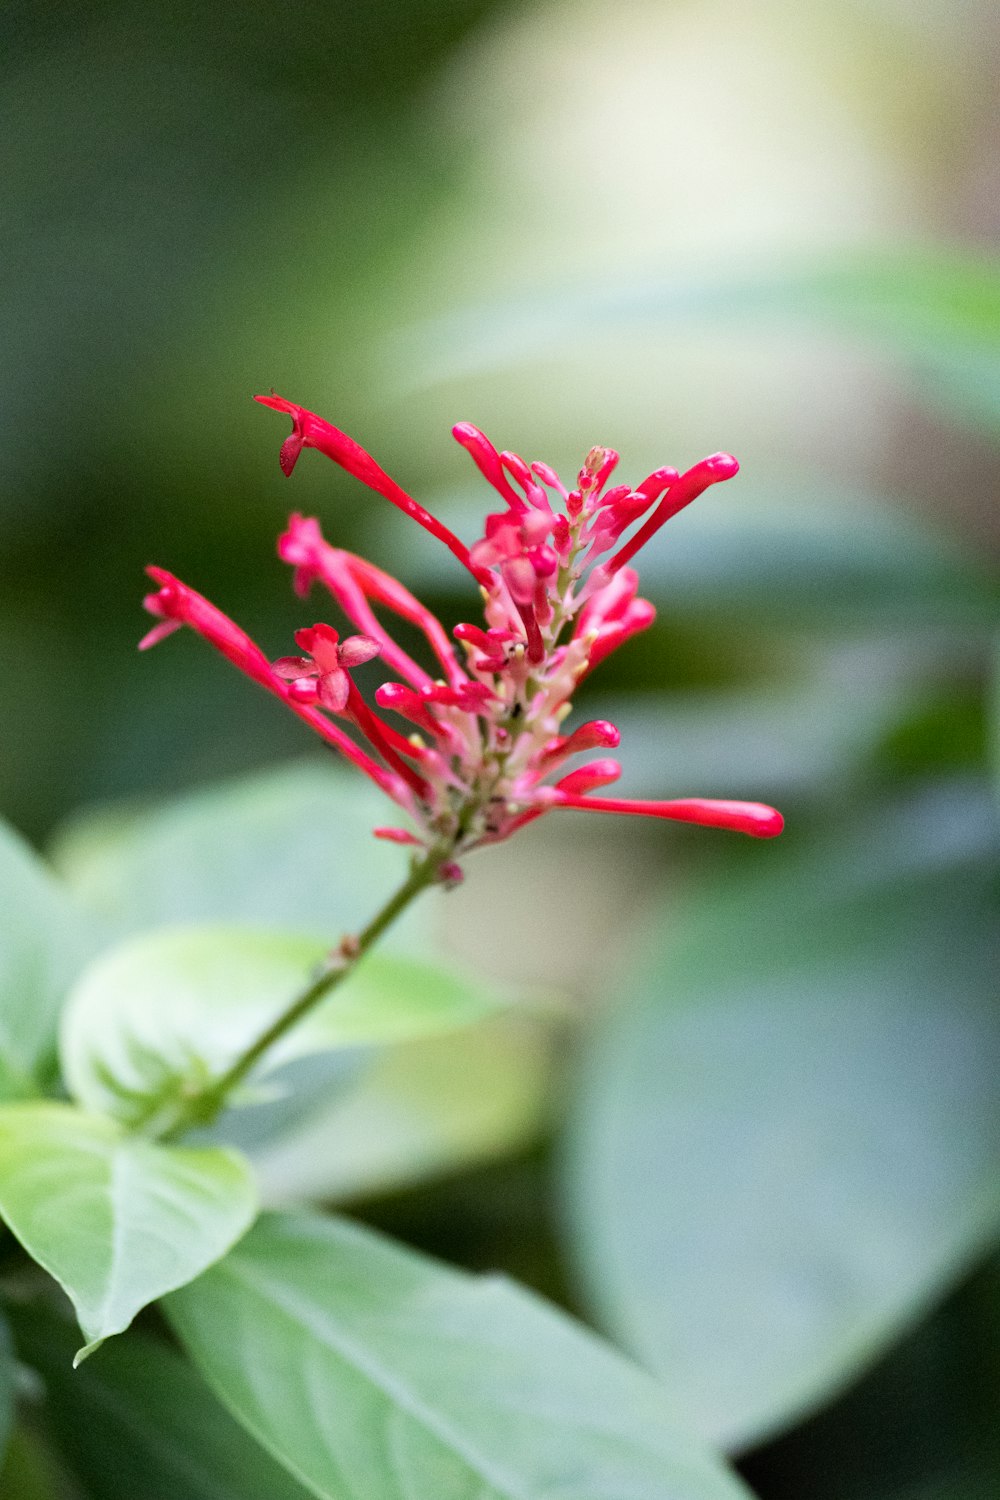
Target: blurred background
pixel 669 227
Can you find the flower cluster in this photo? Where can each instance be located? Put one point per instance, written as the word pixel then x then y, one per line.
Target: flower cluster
pixel 479 749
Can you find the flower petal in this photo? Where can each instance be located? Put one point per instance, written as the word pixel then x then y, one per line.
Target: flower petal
pixel 334 690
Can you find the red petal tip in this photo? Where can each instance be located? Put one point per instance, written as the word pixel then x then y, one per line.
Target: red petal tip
pixel 723 464
pixel 277 403
pixel 396 836
pixel 159 633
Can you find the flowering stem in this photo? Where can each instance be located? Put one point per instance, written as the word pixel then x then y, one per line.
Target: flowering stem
pixel 205 1106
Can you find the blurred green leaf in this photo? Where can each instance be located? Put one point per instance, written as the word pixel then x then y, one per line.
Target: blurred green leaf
pixel 809 734
pixel 920 1425
pixel 417 1110
pixel 139 1422
pixel 117 1220
pixel 43 942
pixel 370 1370
pixel 936 312
pixel 156 1018
pixel 787 1140
pixel 288 848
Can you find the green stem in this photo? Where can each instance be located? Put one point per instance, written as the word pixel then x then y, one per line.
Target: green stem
pixel 206 1105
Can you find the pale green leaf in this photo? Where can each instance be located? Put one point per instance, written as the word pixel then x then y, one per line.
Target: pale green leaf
pixel 140 1422
pixel 43 942
pixel 921 1425
pixel 153 1019
pixel 289 848
pixel 116 1219
pixel 371 1371
pixel 934 313
pixel 787 1139
pixel 419 1109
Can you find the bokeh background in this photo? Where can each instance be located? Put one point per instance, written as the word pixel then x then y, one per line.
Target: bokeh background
pixel 670 227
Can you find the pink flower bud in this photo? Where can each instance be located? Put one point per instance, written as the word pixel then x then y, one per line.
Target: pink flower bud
pixel 586 778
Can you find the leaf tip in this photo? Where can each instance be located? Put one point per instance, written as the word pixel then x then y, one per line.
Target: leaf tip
pixel 86 1352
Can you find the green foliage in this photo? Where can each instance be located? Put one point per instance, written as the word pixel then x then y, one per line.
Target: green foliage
pixel 138 1422
pixel 921 1425
pixel 368 1370
pixel 153 1020
pixel 117 1220
pixel 785 1142
pixel 43 943
pixel 418 1110
pixel 290 849
pixel 935 313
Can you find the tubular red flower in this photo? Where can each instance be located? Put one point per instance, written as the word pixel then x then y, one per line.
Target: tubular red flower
pixel 688 487
pixel 533 492
pixel 311 431
pixel 487 461
pixel 586 778
pixel 385 589
pixel 179 605
pixel 315 560
pixel 755 818
pixel 397 836
pixel 654 484
pixel 385 740
pixel 408 704
pixel 174 601
pixel 596 734
pixel 639 615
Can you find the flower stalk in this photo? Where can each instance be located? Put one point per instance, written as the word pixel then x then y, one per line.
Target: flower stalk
pixel 204 1107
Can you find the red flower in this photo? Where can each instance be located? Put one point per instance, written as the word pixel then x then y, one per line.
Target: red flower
pixel 323 673
pixel 488 732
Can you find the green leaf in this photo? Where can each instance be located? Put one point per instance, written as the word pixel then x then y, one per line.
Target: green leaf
pixel 139 1422
pixel 936 313
pixel 7 1387
pixel 43 942
pixel 921 1425
pixel 117 1220
pixel 369 1370
pixel 793 739
pixel 419 1109
pixel 154 1018
pixel 788 1139
pixel 290 848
